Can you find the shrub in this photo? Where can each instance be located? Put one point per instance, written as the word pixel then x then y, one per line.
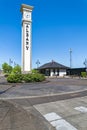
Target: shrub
pixel 27 77
pixel 17 77
pixel 14 78
pixel 34 71
pixel 16 70
pixel 6 75
pixel 83 74
pixel 33 77
pixel 38 77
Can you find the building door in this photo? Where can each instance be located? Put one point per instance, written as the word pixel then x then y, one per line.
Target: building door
pixel 47 72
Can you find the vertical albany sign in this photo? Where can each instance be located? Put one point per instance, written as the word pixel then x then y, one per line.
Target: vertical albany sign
pixel 26 38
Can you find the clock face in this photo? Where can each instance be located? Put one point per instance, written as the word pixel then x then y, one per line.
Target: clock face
pixel 27 15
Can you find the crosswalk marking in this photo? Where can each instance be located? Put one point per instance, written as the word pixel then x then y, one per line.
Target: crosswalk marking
pixel 81 109
pixel 57 122
pixel 52 116
pixel 62 125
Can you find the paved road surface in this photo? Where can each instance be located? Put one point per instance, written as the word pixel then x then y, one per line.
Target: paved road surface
pixel 54 86
pixel 36 107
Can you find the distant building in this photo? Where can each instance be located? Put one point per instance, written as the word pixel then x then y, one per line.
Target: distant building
pixel 53 69
pixel 76 71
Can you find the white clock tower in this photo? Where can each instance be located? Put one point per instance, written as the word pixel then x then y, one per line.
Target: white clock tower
pixel 26 37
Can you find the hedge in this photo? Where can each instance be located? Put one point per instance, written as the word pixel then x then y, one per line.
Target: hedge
pixel 14 78
pixel 18 78
pixel 84 74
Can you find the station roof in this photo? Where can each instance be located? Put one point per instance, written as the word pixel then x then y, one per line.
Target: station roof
pixel 53 65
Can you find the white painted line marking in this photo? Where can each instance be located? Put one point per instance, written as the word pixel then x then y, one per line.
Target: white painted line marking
pixel 62 125
pixel 57 122
pixel 81 109
pixel 52 116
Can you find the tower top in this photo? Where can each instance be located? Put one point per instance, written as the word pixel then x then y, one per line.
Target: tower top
pixel 24 7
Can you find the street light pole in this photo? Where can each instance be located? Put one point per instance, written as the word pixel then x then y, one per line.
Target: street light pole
pixel 37 62
pixel 85 63
pixel 10 61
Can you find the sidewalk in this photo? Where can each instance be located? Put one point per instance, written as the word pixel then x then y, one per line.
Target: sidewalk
pixel 68 114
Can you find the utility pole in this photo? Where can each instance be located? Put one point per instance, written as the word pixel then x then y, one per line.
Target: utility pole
pixel 70 50
pixel 37 62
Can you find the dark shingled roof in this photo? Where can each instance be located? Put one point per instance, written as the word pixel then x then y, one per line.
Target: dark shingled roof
pixel 53 64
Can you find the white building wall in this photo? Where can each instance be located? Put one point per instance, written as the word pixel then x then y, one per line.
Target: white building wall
pixel 51 72
pixel 56 73
pixel 62 72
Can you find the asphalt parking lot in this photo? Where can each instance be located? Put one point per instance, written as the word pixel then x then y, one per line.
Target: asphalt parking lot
pixel 50 87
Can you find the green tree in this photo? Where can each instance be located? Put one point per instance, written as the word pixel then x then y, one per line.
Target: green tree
pixel 34 71
pixel 6 68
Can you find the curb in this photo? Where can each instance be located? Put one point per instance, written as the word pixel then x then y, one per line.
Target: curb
pixel 73 93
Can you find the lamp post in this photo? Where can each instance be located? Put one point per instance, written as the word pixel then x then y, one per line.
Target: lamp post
pixel 85 63
pixel 37 62
pixel 14 64
pixel 10 61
